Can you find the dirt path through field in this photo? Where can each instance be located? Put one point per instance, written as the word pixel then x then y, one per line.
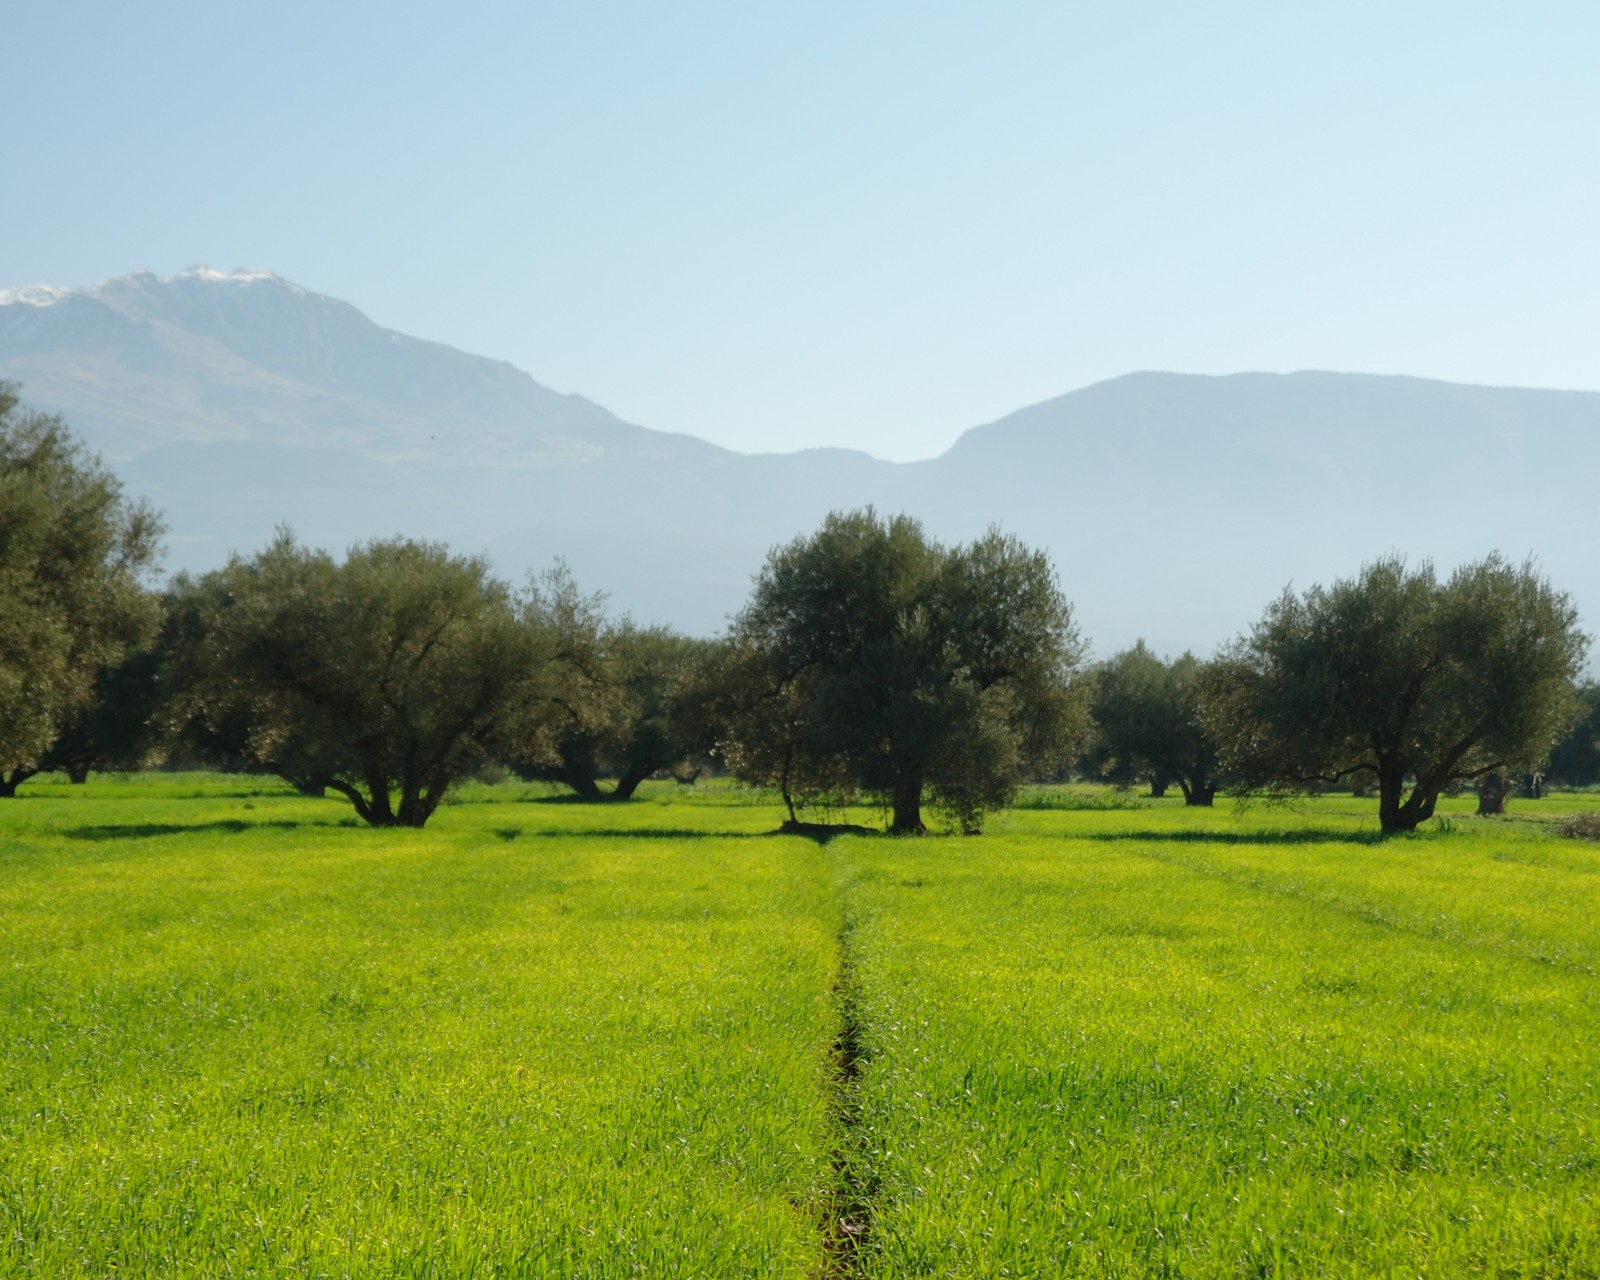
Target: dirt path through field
pixel 847 1231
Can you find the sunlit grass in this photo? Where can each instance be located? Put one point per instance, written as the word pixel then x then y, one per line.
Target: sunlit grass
pixel 1163 1043
pixel 242 1034
pixel 293 1047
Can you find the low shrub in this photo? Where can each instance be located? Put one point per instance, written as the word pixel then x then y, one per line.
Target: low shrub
pixel 1581 826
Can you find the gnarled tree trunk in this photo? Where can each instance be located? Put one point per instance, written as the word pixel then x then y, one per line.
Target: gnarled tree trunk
pixel 907 818
pixel 629 782
pixel 581 780
pixel 1494 789
pixel 1397 815
pixel 9 782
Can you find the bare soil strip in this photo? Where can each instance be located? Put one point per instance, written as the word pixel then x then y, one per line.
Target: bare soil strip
pixel 847 1233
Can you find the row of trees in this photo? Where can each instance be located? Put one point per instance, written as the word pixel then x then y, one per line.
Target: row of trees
pixel 1393 681
pixel 73 555
pixel 389 675
pixel 383 677
pixel 871 662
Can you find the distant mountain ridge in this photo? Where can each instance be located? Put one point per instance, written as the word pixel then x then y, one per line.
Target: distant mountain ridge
pixel 1174 505
pixel 207 356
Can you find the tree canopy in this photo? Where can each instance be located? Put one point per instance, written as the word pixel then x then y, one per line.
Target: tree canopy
pixel 612 707
pixel 1147 724
pixel 73 555
pixel 382 678
pixel 871 658
pixel 1575 760
pixel 1393 674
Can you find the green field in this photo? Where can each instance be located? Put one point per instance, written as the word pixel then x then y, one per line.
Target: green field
pixel 240 1035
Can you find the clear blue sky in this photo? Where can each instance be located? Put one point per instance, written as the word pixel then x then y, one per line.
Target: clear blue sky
pixel 863 224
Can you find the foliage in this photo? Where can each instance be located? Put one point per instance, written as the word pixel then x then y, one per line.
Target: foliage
pixel 1575 760
pixel 73 552
pixel 614 705
pixel 1147 722
pixel 120 727
pixel 384 678
pixel 1085 797
pixel 871 658
pixel 1581 826
pixel 1420 683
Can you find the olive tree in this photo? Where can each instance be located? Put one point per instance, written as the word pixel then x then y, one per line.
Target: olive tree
pixel 612 706
pixel 1575 760
pixel 120 727
pixel 73 555
pixel 1395 675
pixel 382 678
pixel 873 658
pixel 1146 716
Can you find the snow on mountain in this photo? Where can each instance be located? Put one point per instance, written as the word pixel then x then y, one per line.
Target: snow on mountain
pixel 33 295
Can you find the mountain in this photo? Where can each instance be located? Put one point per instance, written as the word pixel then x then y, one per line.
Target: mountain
pixel 1187 502
pixel 209 356
pixel 1174 505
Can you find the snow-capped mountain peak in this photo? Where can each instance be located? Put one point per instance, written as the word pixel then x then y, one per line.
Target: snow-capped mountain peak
pixel 33 295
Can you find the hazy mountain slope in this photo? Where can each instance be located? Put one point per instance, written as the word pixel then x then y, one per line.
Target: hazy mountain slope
pixel 208 356
pixel 1175 506
pixel 1178 505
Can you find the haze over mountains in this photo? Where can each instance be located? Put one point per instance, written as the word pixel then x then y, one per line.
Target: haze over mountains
pixel 1174 506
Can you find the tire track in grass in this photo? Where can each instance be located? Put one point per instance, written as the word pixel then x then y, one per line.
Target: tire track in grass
pixel 847 1233
pixel 1450 933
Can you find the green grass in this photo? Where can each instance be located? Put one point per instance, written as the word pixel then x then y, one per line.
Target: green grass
pixel 1187 1044
pixel 1112 1037
pixel 296 1048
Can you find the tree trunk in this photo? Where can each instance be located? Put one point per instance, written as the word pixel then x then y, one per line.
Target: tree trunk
pixel 1158 787
pixel 629 782
pixel 1200 795
pixel 375 812
pixel 581 781
pixel 1395 816
pixel 378 803
pixel 908 810
pixel 783 782
pixel 77 774
pixel 9 782
pixel 1494 789
pixel 416 807
pixel 1391 818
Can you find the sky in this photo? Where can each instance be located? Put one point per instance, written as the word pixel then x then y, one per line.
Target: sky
pixel 870 225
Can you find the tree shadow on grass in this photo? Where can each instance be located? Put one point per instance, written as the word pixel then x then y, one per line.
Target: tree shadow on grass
pixel 571 797
pixel 1307 835
pixel 643 833
pixel 152 830
pixel 822 832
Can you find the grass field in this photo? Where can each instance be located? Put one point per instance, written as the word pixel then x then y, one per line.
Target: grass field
pixel 241 1036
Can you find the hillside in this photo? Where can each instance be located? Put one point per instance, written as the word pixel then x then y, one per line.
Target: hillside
pixel 1174 505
